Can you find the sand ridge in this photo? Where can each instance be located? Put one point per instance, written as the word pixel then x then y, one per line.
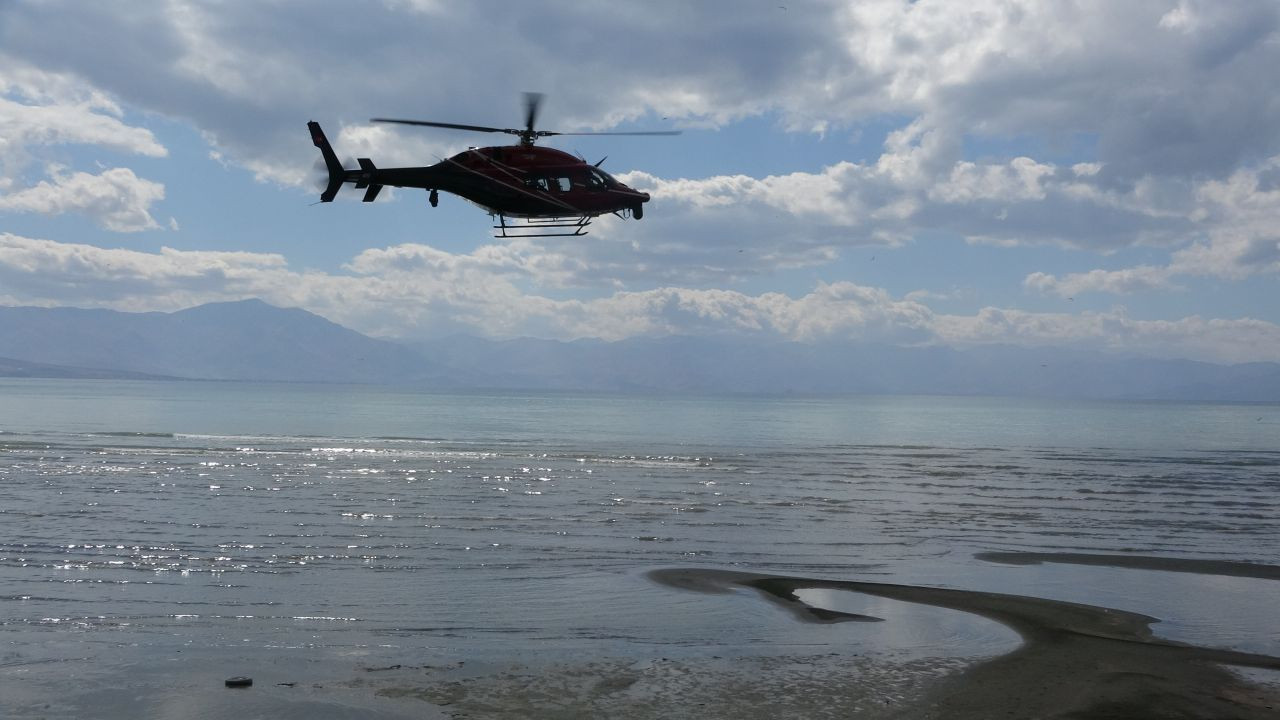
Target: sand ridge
pixel 1077 662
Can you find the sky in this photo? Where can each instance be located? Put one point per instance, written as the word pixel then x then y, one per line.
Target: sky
pixel 1093 174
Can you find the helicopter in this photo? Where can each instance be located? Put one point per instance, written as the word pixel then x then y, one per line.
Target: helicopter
pixel 530 191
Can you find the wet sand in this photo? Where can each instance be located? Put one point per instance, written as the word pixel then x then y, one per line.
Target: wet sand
pixel 814 687
pixel 1077 661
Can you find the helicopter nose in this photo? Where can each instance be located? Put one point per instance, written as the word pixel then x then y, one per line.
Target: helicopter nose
pixel 644 197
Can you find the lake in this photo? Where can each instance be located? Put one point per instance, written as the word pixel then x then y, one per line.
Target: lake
pixel 157 534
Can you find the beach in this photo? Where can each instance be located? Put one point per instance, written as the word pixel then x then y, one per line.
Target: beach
pixel 1074 661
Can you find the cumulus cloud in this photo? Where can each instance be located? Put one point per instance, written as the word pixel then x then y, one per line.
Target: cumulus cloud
pixel 40 109
pixel 1163 94
pixel 416 289
pixel 1241 219
pixel 913 188
pixel 45 272
pixel 1196 338
pixel 23 125
pixel 1165 89
pixel 1233 232
pixel 1128 280
pixel 838 310
pixel 419 291
pixel 44 108
pixel 116 199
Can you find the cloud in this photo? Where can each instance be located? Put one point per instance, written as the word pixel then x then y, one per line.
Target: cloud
pixel 40 109
pixel 1218 340
pixel 838 310
pixel 1180 90
pixel 1161 96
pixel 914 188
pixel 1129 280
pixel 412 290
pixel 1021 179
pixel 416 291
pixel 1159 100
pixel 1241 217
pixel 116 199
pixel 45 272
pixel 1233 232
pixel 23 125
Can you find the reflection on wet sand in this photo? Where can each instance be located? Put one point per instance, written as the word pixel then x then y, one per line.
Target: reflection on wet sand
pixel 1076 661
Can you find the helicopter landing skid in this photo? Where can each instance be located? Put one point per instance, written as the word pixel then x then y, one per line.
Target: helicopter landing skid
pixel 565 226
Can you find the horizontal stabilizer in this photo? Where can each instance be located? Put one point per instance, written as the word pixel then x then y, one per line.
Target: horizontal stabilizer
pixel 364 176
pixel 372 193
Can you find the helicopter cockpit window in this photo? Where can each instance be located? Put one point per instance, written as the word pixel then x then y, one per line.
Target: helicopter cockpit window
pixel 560 184
pixel 596 180
pixel 538 183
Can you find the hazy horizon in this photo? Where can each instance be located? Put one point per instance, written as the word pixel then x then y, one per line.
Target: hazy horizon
pixel 255 341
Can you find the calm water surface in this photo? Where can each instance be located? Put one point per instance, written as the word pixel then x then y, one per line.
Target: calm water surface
pixel 146 519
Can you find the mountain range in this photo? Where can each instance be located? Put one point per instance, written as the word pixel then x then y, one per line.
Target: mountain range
pixel 251 340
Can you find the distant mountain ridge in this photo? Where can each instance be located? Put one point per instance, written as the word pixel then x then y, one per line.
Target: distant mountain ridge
pixel 736 365
pixel 21 368
pixel 251 340
pixel 246 340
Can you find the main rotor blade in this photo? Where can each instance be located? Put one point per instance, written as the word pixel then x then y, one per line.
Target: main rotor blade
pixel 648 132
pixel 455 126
pixel 532 103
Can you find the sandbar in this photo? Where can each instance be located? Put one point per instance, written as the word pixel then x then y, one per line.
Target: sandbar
pixel 1076 662
pixel 1226 568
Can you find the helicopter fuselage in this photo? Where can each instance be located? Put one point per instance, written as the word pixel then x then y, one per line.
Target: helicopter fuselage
pixel 521 182
pixel 515 181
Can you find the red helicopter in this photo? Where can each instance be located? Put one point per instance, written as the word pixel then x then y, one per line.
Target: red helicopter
pixel 531 191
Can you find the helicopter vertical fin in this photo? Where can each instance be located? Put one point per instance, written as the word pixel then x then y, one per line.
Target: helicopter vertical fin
pixel 336 173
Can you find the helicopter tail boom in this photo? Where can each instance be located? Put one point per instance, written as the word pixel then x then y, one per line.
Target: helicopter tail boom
pixel 336 172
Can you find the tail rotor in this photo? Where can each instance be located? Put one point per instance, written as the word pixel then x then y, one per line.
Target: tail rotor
pixel 331 163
